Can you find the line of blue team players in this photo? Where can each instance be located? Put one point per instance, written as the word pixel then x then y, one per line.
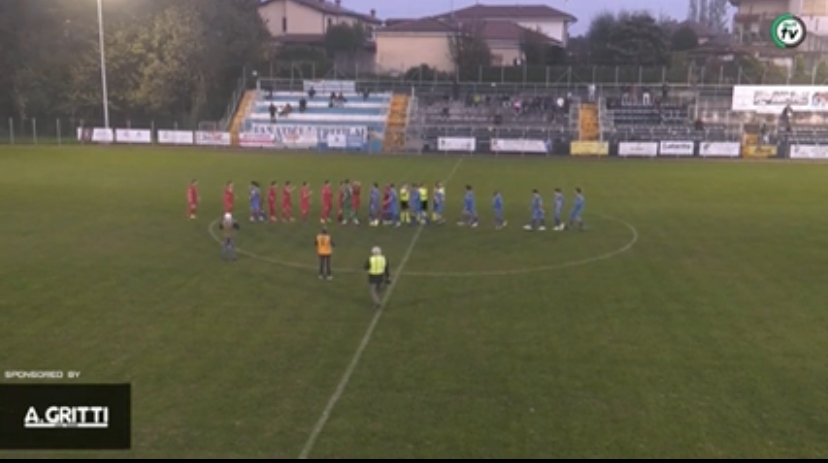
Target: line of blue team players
pixel 388 211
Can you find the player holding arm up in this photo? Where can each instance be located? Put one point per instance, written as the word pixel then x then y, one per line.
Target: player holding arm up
pixel 193 199
pixel 469 215
pixel 577 210
pixel 497 205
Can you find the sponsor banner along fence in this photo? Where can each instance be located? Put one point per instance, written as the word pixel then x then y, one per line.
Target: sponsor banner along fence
pixel 589 148
pixel 759 151
pixel 133 136
pixel 467 144
pixel 809 152
pixel 95 135
pixel 256 140
pixel 774 98
pixel 501 145
pixel 305 136
pixel 676 148
pixel 213 138
pixel 720 149
pixel 641 149
pixel 176 137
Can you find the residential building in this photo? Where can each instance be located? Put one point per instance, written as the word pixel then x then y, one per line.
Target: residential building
pixel 306 21
pixel 406 43
pixel 541 18
pixel 752 29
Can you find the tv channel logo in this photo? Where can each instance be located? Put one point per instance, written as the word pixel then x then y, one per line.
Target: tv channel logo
pixel 788 31
pixel 65 416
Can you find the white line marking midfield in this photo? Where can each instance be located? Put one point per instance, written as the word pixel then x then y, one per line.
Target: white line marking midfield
pixel 473 274
pixel 346 378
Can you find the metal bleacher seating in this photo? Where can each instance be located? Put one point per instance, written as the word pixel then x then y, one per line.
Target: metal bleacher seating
pixel 485 116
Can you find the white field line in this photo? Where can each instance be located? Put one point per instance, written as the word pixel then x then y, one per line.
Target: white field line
pixel 472 274
pixel 346 378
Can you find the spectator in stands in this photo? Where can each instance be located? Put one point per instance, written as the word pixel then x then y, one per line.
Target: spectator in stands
pixel 498 119
pixel 591 92
pixel 665 92
pixel 303 105
pixel 763 134
pixel 312 92
pixel 517 106
pixel 699 125
pixel 286 110
pixel 786 118
pixel 626 96
pixel 366 94
pixel 272 110
pixel 333 97
pixel 560 104
pixel 445 113
pixel 341 99
pixel 646 98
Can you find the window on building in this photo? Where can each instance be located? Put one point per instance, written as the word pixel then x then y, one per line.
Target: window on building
pixel 284 24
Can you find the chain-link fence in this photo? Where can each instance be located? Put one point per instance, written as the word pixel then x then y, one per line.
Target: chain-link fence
pixel 724 73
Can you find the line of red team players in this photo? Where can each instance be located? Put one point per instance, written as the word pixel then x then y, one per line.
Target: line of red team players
pixel 193 200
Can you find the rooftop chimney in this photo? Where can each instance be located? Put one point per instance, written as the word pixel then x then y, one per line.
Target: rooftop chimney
pixel 373 13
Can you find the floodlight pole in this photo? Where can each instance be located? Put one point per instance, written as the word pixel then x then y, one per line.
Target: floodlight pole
pixel 103 65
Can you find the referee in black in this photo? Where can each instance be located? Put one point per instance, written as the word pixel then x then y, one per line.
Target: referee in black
pixel 378 275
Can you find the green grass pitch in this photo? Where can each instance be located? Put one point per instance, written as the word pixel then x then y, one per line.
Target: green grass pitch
pixel 689 321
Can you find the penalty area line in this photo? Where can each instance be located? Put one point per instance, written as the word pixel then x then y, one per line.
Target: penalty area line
pixel 369 333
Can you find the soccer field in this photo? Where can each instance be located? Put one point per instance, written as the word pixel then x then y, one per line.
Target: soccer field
pixel 689 320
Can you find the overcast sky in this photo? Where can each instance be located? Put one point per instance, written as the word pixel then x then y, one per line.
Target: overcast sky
pixel 581 9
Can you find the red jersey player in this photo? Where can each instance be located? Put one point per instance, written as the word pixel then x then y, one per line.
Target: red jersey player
pixel 356 191
pixel 340 215
pixel 304 200
pixel 229 198
pixel 287 202
pixel 271 201
pixel 192 198
pixel 327 202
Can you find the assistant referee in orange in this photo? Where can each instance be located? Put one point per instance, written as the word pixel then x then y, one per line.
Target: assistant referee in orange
pixel 324 249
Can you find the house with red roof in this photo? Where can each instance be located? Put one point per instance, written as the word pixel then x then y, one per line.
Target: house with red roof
pixel 406 43
pixel 305 22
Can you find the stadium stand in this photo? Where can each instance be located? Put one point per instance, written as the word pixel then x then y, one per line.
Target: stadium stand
pixel 485 112
pixel 325 105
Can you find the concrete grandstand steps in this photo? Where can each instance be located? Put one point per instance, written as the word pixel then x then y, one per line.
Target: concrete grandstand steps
pixel 248 100
pixel 395 126
pixel 588 122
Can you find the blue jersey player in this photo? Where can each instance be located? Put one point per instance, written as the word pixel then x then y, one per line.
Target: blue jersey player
pixel 497 205
pixel 577 210
pixel 415 203
pixel 559 206
pixel 374 206
pixel 538 217
pixel 395 206
pixel 256 203
pixel 439 203
pixel 469 215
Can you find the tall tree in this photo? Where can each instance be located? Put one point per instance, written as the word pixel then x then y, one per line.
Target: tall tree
pixel 468 49
pixel 598 36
